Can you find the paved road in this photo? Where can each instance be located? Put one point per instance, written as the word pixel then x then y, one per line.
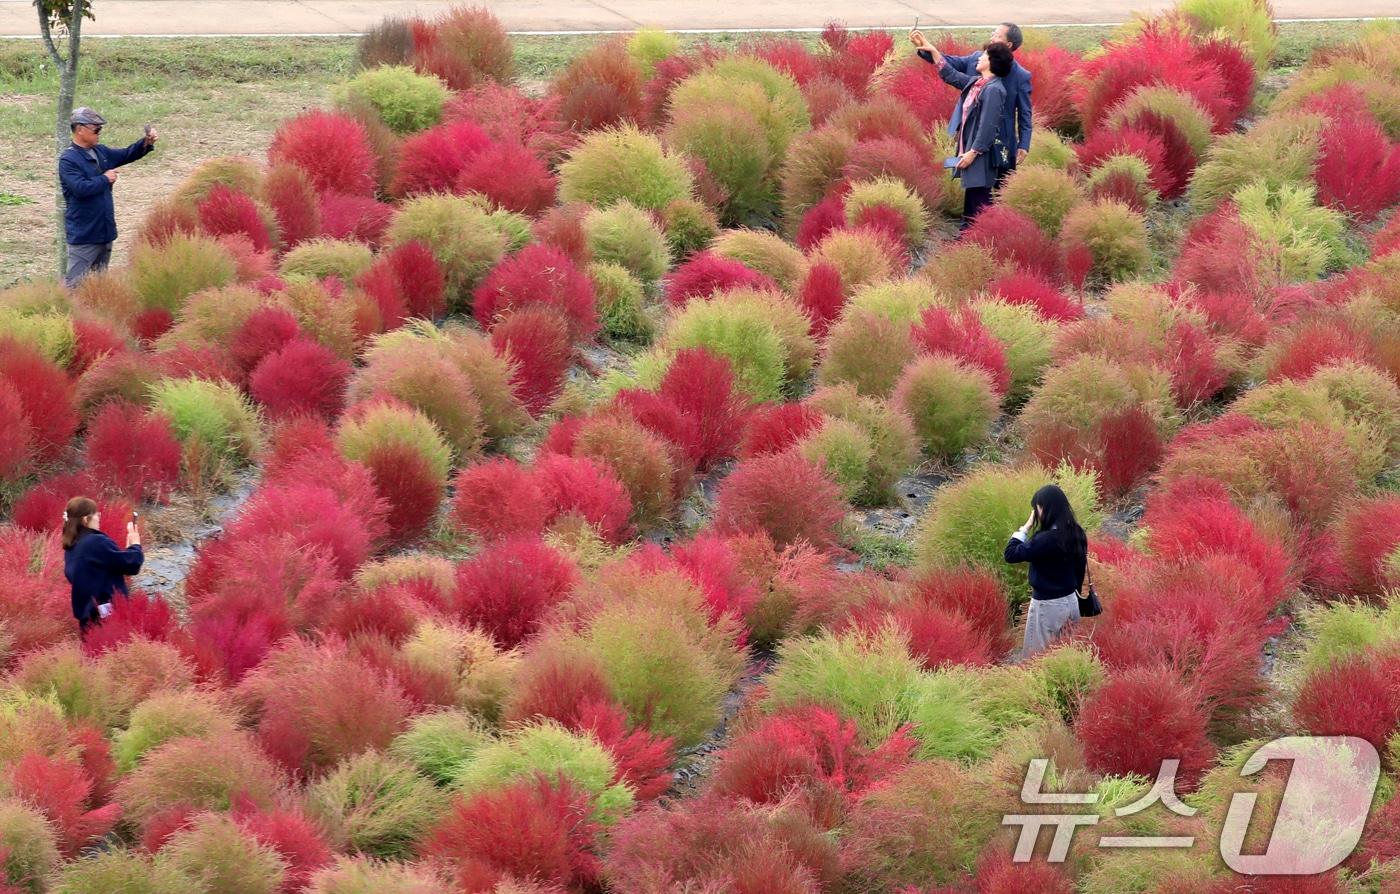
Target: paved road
pixel 153 17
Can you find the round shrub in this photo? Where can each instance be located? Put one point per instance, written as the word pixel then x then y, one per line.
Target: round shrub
pixel 214 854
pixel 441 743
pixel 626 235
pixel 1025 338
pixel 467 46
pixel 891 436
pixel 165 275
pixel 689 226
pixel 380 424
pixel 498 498
pixel 538 274
pixel 404 99
pixel 639 458
pixel 741 333
pixel 784 496
pixel 321 258
pixel 302 376
pixel 867 350
pixel 376 806
pixel 1141 717
pixel 901 300
pixel 166 716
pixel 30 851
pixel 1284 148
pixel 1124 178
pixel 621 303
pixel 361 875
pixel 843 450
pixel 951 404
pixel 706 273
pixel 765 252
pixel 1045 195
pixel 334 150
pixel 212 417
pixel 861 256
pixel 121 870
pixel 624 163
pixel 549 750
pixel 969 522
pixel 199 774
pixel 510 586
pixel 600 87
pixel 1302 240
pixel 460 235
pixel 434 160
pixel 886 192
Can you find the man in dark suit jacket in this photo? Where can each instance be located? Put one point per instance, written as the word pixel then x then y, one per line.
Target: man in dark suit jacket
pixel 1016 116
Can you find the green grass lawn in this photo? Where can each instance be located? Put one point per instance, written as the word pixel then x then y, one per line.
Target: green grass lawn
pixel 223 96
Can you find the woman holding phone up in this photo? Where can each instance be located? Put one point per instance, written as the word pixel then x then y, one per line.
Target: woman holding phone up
pixel 93 564
pixel 976 120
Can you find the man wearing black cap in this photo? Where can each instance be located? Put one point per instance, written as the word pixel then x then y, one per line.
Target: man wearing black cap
pixel 87 171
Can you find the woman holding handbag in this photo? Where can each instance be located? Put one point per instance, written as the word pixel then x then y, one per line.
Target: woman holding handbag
pixel 976 121
pixel 1057 549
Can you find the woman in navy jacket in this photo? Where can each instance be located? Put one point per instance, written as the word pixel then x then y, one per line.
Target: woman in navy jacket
pixel 93 564
pixel 1058 553
pixel 976 122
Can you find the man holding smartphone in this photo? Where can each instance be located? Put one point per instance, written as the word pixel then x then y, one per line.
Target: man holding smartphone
pixel 87 172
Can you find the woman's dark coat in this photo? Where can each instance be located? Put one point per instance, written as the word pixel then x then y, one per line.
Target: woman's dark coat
pixel 97 569
pixel 981 126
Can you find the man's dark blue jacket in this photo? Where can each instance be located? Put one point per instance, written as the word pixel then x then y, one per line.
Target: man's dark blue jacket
pixel 89 217
pixel 1015 115
pixel 97 569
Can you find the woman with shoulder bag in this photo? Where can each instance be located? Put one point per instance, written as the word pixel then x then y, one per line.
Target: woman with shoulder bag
pixel 93 564
pixel 976 121
pixel 1057 549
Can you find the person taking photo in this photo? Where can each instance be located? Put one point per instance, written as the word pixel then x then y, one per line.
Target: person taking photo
pixel 93 564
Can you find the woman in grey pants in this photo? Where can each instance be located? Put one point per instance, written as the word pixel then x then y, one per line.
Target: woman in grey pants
pixel 1057 549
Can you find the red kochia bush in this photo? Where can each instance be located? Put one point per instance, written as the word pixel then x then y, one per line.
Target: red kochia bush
pixel 975 595
pixel 352 218
pixel 411 488
pixel 1048 301
pixel 288 191
pixel 1140 718
pixel 432 161
pixel 892 156
pixel 1154 55
pixel 226 211
pixel 706 273
pixel 511 176
pixel 711 561
pixel 701 386
pixel 509 586
pixel 536 340
pixel 827 215
pixel 538 275
pixel 131 451
pixel 1368 534
pixel 62 791
pixel 333 149
pixel 1355 697
pixel 93 339
pixel 784 496
pixel 1012 236
pixel 1146 145
pixel 1053 69
pixel 537 828
pixel 303 376
pixel 853 58
pixel 138 616
pixel 643 760
pixel 936 637
pixel 928 98
pixel 291 834
pixel 822 296
pixel 806 748
pixel 16 435
pixel 267 330
pixel 498 498
pixel 45 393
pixel 599 88
pixel 317 517
pixel 997 874
pixel 963 337
pixel 580 487
pixel 1315 344
pixel 406 281
pixel 1194 363
pixel 773 428
pixel 1386 239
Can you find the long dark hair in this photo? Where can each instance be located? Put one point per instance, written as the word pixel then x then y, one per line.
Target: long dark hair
pixel 1057 521
pixel 78 509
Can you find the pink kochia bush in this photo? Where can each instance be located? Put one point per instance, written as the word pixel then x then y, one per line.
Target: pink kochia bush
pixel 511 176
pixel 406 281
pixel 706 273
pixel 536 342
pixel 433 160
pixel 302 376
pixel 1140 718
pixel 508 587
pixel 499 498
pixel 132 451
pixel 784 496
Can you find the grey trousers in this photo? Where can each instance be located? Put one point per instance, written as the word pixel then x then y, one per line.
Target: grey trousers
pixel 1046 619
pixel 85 259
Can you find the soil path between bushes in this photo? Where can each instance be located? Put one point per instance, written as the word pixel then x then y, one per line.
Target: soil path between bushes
pixel 327 17
pixel 168 563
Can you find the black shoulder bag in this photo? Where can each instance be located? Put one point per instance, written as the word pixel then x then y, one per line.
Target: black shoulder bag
pixel 1089 605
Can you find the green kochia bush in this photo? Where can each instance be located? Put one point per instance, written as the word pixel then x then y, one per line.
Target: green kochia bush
pixel 621 303
pixel 551 750
pixel 742 334
pixel 165 275
pixel 441 744
pixel 1024 336
pixel 1297 238
pixel 1043 194
pixel 951 404
pixel 891 193
pixel 29 846
pixel 380 425
pixel 624 163
pixel 376 805
pixel 166 716
pixel 626 235
pixel 405 100
pixel 118 871
pixel 213 417
pixel 215 854
pixel 320 258
pixel 1280 149
pixel 970 521
pixel 461 235
pixel 1114 234
pixel 844 450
